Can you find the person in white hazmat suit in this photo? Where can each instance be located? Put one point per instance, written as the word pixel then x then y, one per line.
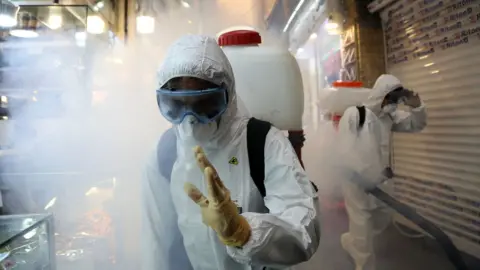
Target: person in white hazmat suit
pixel 224 221
pixel 368 154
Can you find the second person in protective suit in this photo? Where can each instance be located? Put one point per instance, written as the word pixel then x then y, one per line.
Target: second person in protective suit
pixel 369 158
pixel 210 200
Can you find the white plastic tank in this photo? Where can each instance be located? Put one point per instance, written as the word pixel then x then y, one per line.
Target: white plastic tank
pixel 342 95
pixel 267 79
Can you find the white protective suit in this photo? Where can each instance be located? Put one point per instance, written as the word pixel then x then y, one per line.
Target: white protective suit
pixel 368 216
pixel 285 226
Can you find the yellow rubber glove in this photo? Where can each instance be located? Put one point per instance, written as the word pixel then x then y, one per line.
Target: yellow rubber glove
pixel 218 210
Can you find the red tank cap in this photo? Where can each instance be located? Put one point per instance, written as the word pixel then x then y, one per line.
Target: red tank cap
pixel 352 84
pixel 336 117
pixel 239 37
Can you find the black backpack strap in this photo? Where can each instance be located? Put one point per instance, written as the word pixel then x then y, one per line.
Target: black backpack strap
pixel 314 186
pixel 362 113
pixel 257 131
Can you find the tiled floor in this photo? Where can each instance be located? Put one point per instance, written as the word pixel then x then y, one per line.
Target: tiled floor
pixel 394 251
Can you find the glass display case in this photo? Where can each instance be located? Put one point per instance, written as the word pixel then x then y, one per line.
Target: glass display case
pixel 27 242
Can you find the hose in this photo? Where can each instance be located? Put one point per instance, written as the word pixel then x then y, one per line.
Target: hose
pixel 442 238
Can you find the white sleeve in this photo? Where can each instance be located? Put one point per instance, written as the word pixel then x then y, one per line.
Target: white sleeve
pixel 360 158
pixel 162 246
pixel 290 233
pixel 414 120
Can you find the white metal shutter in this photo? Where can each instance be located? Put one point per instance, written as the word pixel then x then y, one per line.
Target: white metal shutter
pixel 433 47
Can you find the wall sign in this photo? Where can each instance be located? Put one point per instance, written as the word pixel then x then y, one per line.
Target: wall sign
pixel 416 29
pixel 348 71
pixel 378 5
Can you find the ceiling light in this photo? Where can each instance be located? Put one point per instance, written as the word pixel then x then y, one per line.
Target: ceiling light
pixel 81 36
pixel 294 14
pixel 55 21
pixel 185 4
pixel 331 25
pixel 313 36
pixel 91 191
pixel 145 24
pixel 100 5
pixel 95 25
pixel 333 32
pixel 428 65
pixel 51 203
pixel 7 21
pixel 23 33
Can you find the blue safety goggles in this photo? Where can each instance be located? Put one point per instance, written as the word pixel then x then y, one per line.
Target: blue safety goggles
pixel 398 95
pixel 205 105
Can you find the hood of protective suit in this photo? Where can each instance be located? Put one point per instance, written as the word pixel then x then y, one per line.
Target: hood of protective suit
pixel 385 84
pixel 201 57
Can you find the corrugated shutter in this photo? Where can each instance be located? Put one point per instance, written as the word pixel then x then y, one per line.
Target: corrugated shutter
pixel 433 46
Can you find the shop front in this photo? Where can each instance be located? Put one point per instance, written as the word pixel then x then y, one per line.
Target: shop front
pixel 316 41
pixel 46 86
pixel 432 47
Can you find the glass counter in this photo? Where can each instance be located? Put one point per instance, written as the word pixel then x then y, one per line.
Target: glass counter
pixel 27 242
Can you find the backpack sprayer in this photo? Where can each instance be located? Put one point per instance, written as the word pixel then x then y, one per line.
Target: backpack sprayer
pixel 252 62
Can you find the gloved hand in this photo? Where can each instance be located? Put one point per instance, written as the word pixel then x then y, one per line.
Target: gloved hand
pixel 218 210
pixel 413 100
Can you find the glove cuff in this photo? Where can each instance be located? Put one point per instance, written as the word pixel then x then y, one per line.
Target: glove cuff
pixel 241 235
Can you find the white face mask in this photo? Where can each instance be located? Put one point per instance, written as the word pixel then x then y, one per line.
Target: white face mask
pixel 191 130
pixel 389 108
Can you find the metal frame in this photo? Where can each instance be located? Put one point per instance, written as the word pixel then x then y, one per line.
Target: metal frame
pixel 88 9
pixel 428 181
pixel 50 230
